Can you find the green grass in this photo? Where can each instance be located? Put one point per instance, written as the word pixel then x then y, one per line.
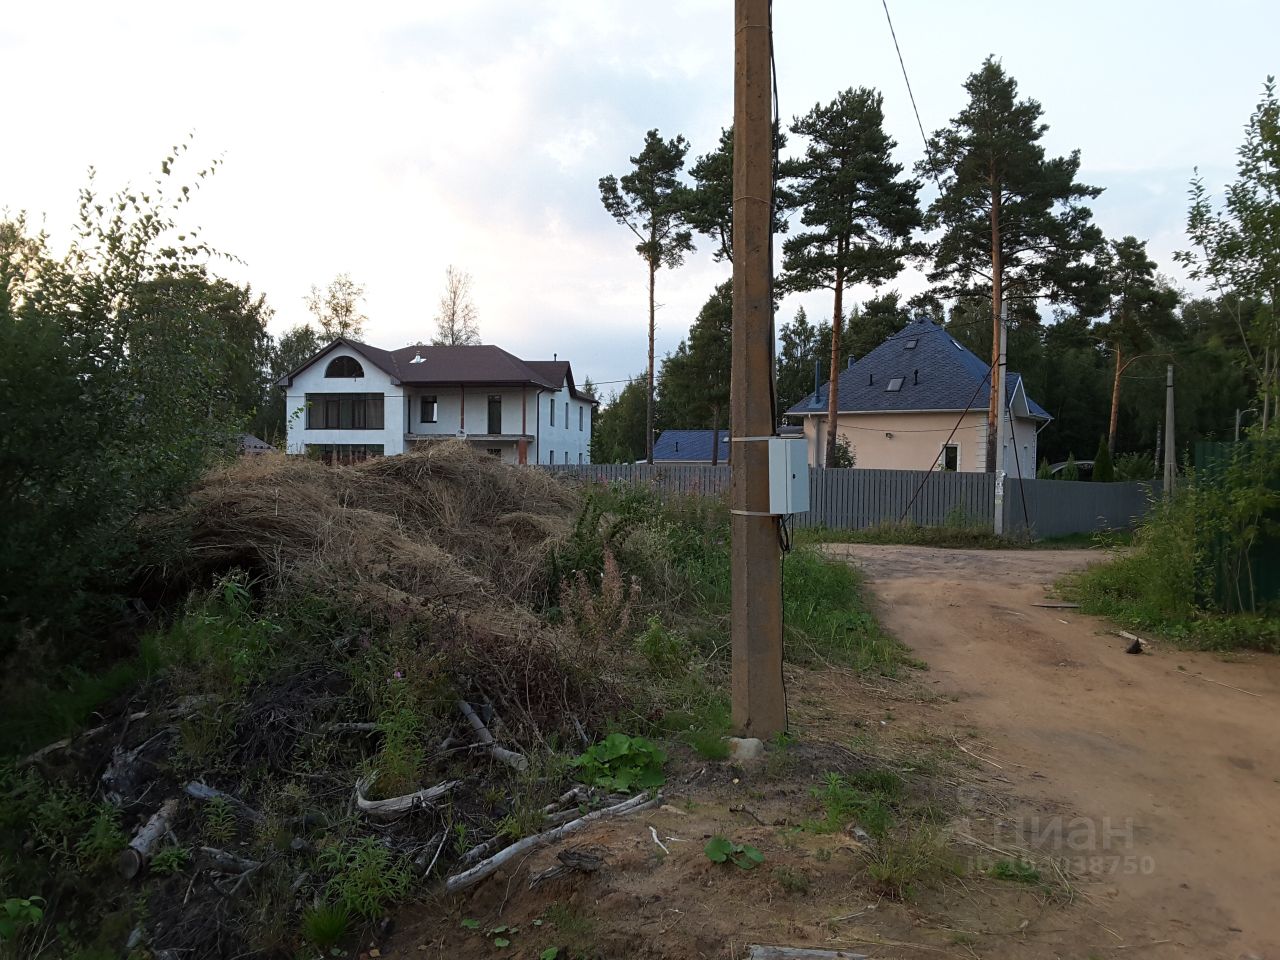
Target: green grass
pixel 865 799
pixel 826 616
pixel 900 865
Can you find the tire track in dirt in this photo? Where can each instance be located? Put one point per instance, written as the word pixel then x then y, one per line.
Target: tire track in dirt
pixel 1173 783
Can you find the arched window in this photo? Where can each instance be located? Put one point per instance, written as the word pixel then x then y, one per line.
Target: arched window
pixel 344 368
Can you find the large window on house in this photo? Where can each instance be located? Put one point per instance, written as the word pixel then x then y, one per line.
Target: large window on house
pixel 427 409
pixel 495 413
pixel 345 411
pixel 344 368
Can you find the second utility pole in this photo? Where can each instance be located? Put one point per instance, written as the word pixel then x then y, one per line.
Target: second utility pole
pixel 759 703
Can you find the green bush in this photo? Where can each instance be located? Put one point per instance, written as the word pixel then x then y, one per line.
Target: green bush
pixel 1191 570
pixel 665 651
pixel 365 877
pixel 621 762
pixel 1103 471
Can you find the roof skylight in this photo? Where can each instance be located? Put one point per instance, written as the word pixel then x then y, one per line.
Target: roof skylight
pixel 895 384
pixel 911 344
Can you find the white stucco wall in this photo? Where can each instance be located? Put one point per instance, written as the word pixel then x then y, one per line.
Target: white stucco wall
pixel 565 440
pixel 313 381
pixel 917 440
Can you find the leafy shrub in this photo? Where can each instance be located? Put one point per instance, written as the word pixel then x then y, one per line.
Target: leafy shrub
pixel 1103 469
pixel 623 763
pixel 365 877
pixel 742 855
pixel 18 913
pixel 1135 466
pixel 102 841
pixel 596 619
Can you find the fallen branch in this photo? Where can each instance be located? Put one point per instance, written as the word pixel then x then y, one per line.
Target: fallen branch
pixel 67 741
pixel 460 881
pixel 509 757
pixel 1057 605
pixel 569 796
pixel 223 861
pixel 1197 676
pixel 397 806
pixel 202 791
pixel 135 856
pixel 368 727
pixel 976 756
pixel 758 952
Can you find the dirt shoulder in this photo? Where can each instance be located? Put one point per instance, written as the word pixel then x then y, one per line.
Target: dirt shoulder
pixel 1167 772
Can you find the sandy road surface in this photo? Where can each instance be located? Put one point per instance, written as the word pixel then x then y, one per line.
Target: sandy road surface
pixel 1169 783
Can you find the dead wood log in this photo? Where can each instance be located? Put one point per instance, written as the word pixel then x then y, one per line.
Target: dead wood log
pixel 202 791
pixel 509 757
pixel 570 861
pixel 569 796
pixel 473 875
pixel 135 856
pixel 759 952
pixel 397 806
pixel 366 727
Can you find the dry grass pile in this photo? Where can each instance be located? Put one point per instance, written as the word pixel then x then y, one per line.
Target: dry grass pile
pixel 441 524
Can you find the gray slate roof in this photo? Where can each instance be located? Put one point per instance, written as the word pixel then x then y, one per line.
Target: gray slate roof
pixel 937 374
pixel 691 445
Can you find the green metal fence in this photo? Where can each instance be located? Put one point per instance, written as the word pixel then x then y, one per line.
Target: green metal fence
pixel 1255 583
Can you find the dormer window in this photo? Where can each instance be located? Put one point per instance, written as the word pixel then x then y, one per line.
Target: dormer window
pixel 895 384
pixel 344 368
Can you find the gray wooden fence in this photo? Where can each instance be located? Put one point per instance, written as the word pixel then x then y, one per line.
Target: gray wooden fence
pixel 852 499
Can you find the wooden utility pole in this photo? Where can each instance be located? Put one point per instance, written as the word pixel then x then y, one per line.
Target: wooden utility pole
pixel 1170 449
pixel 759 703
pixel 1002 362
pixel 996 397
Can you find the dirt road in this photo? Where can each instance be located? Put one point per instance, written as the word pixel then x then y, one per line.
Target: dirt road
pixel 1168 779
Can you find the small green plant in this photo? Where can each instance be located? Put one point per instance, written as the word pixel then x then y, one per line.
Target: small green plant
pixel 742 855
pixel 18 913
pixel 219 821
pixel 399 761
pixel 325 924
pixel 169 861
pixel 666 652
pixel 1015 871
pixel 470 923
pixel 365 876
pixel 863 799
pixel 624 763
pixel 102 841
pixel 551 953
pixel 900 865
pixel 791 880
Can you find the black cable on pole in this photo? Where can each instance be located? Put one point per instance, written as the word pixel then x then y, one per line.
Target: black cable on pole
pixel 959 420
pixel 910 93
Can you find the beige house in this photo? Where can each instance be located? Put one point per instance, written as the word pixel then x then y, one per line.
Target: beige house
pixel 919 402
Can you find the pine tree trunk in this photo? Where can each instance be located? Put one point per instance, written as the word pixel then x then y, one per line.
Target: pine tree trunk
pixel 1115 406
pixel 648 401
pixel 833 390
pixel 997 299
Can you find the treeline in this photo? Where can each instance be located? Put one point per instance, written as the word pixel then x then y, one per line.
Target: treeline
pixel 1093 321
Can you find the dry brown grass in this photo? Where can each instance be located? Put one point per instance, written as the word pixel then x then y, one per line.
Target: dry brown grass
pixel 444 523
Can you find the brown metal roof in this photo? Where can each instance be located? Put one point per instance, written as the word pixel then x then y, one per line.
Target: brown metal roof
pixel 431 365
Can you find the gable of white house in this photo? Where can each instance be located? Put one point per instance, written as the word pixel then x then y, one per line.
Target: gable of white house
pixel 317 404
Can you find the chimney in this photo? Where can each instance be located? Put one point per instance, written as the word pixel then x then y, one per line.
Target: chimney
pixel 817 374
pixel 555 356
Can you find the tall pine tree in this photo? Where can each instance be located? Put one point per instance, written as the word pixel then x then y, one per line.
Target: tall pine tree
pixel 1141 311
pixel 1013 221
pixel 649 201
pixel 859 212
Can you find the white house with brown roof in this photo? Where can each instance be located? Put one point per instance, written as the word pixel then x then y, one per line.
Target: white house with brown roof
pixel 352 400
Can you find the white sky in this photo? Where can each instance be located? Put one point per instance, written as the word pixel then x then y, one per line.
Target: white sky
pixel 391 139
